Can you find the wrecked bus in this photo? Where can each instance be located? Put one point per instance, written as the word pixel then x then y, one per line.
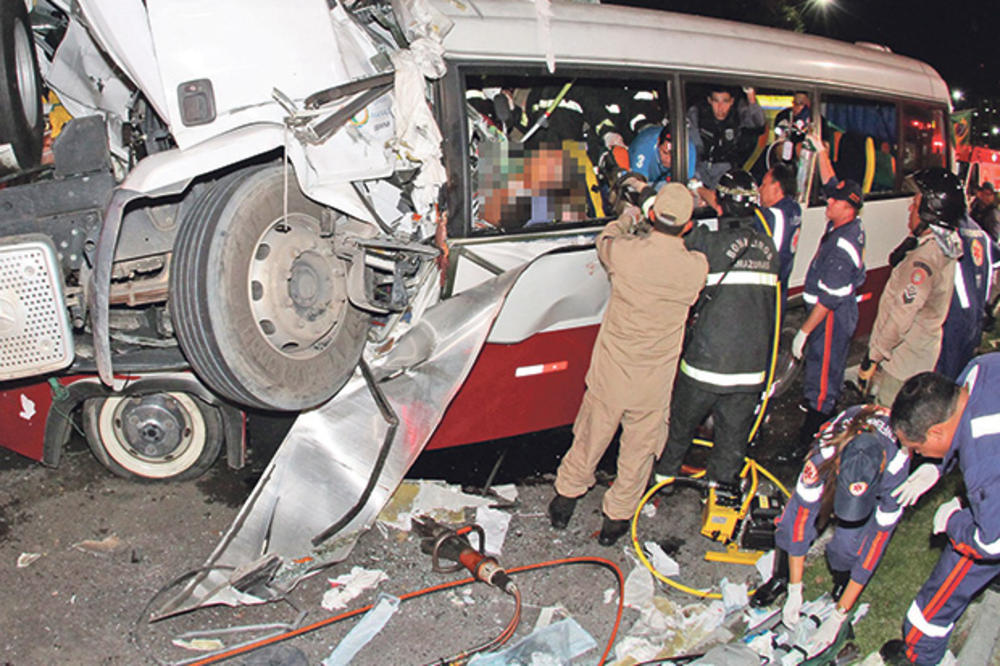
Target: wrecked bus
pixel 239 211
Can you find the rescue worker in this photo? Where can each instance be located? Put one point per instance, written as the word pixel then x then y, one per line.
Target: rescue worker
pixel 834 275
pixel 654 280
pixel 983 209
pixel 782 218
pixel 851 471
pixel 724 132
pixel 963 327
pixel 727 348
pixel 938 418
pixel 906 337
pixel 651 155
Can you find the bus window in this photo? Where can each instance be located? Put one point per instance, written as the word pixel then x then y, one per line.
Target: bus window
pixel 540 146
pixel 862 138
pixel 923 142
pixel 788 120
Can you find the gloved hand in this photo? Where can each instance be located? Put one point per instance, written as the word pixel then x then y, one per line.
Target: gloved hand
pixel 827 632
pixel 612 139
pixel 799 344
pixel 629 219
pixel 918 483
pixel 793 604
pixel 943 513
pixel 865 373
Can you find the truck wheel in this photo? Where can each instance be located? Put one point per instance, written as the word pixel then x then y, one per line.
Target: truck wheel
pixel 159 436
pixel 260 302
pixel 22 120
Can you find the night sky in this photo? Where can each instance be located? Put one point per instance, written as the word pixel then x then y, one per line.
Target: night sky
pixel 959 38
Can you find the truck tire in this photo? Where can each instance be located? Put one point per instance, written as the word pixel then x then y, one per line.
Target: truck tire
pixel 22 119
pixel 154 437
pixel 260 303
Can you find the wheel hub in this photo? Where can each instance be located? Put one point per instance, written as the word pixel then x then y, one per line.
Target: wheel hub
pixel 297 287
pixel 154 426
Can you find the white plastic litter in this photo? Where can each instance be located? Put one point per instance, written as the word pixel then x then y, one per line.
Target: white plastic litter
pixel 558 643
pixel 638 588
pixel 662 562
pixel 441 501
pixel 199 644
pixel 494 523
pixel 734 596
pixel 765 565
pixel 350 585
pixel 365 630
pixel 26 559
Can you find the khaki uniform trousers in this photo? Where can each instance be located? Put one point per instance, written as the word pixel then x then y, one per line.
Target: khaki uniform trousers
pixel 644 433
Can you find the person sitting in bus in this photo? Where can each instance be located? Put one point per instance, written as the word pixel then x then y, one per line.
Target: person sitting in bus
pixel 853 469
pixel 651 155
pixel 654 280
pixel 782 217
pixel 798 116
pixel 983 209
pixel 724 132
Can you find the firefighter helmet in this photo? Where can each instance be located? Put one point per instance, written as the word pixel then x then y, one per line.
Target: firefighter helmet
pixel 737 193
pixel 943 198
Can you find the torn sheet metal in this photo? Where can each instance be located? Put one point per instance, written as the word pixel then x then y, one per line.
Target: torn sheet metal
pixel 321 470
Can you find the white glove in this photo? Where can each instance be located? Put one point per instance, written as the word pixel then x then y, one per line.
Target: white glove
pixel 944 512
pixel 793 604
pixel 799 344
pixel 612 139
pixel 827 632
pixel 918 483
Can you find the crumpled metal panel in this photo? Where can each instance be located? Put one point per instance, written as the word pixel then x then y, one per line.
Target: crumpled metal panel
pixel 321 469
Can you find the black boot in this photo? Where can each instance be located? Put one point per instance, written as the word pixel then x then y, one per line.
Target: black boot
pixel 771 590
pixel 810 426
pixel 893 653
pixel 561 510
pixel 611 531
pixel 840 581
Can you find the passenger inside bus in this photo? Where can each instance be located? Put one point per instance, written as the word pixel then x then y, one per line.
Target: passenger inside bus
pixel 724 129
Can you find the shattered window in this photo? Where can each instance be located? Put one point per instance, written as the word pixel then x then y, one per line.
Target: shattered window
pixel 923 138
pixel 543 149
pixel 863 141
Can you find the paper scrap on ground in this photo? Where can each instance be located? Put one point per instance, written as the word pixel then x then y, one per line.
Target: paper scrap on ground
pixel 25 559
pixel 437 499
pixel 365 630
pixel 662 562
pixel 765 565
pixel 507 492
pixel 638 588
pixel 558 643
pixel 350 585
pixel 549 614
pixel 734 596
pixel 494 523
pixel 199 644
pixel 106 546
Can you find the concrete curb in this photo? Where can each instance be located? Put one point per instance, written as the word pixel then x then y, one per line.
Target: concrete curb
pixel 981 647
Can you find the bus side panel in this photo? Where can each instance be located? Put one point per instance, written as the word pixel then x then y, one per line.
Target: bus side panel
pixel 519 388
pixel 24 409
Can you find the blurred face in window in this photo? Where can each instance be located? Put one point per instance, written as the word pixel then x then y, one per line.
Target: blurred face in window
pixel 799 102
pixel 985 195
pixel 721 102
pixel 666 153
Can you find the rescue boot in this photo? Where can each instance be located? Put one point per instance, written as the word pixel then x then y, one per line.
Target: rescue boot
pixel 611 531
pixel 561 510
pixel 840 581
pixel 893 653
pixel 770 591
pixel 810 426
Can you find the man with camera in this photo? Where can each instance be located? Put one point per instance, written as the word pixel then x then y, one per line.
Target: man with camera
pixel 654 280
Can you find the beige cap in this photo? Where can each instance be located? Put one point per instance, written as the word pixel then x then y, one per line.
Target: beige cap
pixel 673 205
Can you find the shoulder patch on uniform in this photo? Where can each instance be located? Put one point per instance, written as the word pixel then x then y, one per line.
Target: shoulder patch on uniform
pixel 910 293
pixel 919 275
pixel 810 474
pixel 977 252
pixel 924 266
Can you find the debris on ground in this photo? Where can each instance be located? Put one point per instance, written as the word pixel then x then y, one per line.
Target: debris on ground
pixel 351 585
pixel 25 559
pixel 199 644
pixel 366 629
pixel 109 545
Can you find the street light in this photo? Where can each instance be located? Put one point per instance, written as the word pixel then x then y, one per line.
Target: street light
pixel 995 130
pixel 957 95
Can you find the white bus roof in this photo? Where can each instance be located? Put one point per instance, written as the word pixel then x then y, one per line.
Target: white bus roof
pixel 587 34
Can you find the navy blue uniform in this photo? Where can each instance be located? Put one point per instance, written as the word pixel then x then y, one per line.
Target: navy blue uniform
pixel 972 557
pixel 644 157
pixel 782 222
pixel 963 328
pixel 834 275
pixel 857 547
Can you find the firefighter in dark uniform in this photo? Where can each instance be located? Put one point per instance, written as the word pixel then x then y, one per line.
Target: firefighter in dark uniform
pixel 906 337
pixel 963 327
pixel 728 346
pixel 957 423
pixel 724 132
pixel 835 273
pixel 854 466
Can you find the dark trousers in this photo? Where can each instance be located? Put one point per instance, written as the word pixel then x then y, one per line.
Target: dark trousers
pixel 733 414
